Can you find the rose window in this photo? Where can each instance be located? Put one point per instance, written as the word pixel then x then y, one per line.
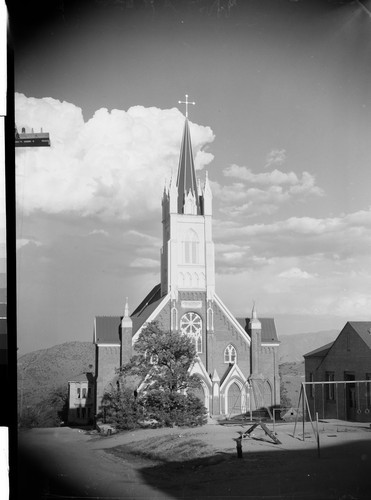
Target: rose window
pixel 191 324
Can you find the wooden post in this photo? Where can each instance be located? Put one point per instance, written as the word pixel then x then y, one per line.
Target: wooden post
pixel 239 446
pixel 297 409
pixel 303 409
pixel 318 445
pixel 323 402
pixel 308 409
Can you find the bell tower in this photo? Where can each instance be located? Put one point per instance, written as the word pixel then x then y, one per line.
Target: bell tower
pixel 187 254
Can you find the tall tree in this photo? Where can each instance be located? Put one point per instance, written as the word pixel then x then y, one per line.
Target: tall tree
pixel 162 360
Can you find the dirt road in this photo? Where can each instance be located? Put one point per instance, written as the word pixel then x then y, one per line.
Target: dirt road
pixel 68 463
pixel 64 463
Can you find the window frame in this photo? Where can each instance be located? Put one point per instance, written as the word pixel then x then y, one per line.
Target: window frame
pixel 229 351
pixel 330 388
pixel 196 334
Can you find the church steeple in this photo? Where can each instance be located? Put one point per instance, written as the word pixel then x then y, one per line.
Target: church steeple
pixel 186 180
pixel 187 255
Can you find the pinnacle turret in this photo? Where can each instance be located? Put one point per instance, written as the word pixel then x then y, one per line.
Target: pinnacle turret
pixel 186 180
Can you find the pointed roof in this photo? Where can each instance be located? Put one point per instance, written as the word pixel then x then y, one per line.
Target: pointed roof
pixel 186 180
pixel 107 330
pixel 268 329
pixel 363 328
pixel 320 352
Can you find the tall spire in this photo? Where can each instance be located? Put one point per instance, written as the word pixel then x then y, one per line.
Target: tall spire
pixel 186 180
pixel 126 312
pixel 254 314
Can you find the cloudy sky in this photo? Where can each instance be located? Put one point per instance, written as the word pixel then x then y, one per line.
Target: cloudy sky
pixel 282 124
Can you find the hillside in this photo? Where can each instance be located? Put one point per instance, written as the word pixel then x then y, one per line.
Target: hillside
pixel 293 347
pixel 292 375
pixel 43 371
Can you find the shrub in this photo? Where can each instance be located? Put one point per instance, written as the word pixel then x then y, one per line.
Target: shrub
pixel 161 364
pixel 170 409
pixel 121 408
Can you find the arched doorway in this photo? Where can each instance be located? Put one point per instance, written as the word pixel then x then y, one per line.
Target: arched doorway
pixel 202 393
pixel 234 399
pixel 199 393
pixel 267 394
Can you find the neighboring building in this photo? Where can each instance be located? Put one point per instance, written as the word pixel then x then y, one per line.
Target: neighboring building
pixel 237 358
pixel 81 399
pixel 348 359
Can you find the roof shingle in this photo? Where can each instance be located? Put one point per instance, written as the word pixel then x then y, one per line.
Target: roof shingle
pixel 107 329
pixel 268 333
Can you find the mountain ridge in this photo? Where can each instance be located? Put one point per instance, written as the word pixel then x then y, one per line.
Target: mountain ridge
pixel 43 371
pixel 293 347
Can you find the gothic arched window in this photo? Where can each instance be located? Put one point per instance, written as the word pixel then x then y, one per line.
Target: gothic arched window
pixel 191 248
pixel 230 354
pixel 191 324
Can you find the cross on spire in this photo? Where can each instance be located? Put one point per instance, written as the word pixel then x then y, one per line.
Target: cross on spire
pixel 186 102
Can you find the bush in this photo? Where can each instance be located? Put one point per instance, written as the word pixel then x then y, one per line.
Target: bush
pixel 122 409
pixel 170 409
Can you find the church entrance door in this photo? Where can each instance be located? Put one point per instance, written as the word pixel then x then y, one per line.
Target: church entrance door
pixel 200 394
pixel 234 399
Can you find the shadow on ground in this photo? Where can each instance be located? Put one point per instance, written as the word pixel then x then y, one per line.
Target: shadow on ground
pixel 36 479
pixel 342 472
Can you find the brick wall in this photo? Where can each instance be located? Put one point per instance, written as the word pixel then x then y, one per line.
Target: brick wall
pixel 107 359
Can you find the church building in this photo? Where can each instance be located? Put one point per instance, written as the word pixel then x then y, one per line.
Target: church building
pixel 237 359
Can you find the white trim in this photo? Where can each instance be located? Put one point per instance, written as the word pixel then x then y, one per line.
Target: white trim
pixel 232 319
pixel 270 344
pixel 244 393
pixel 152 316
pixel 174 321
pixel 210 318
pixel 235 370
pixel 229 354
pixel 103 344
pixel 198 368
pixel 206 390
pixel 244 387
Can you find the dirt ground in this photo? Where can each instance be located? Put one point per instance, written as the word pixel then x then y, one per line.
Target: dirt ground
pixel 202 463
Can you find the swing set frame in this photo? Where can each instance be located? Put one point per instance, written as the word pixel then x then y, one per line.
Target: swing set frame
pixel 337 397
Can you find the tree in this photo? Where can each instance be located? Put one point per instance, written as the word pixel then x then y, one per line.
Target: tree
pixel 162 360
pixel 52 411
pixel 285 400
pixel 160 366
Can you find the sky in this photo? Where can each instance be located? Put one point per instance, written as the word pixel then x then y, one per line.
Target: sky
pixel 282 125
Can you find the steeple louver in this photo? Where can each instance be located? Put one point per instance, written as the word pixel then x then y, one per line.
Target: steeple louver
pixel 186 180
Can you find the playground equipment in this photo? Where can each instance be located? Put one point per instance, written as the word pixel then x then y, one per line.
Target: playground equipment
pixel 348 400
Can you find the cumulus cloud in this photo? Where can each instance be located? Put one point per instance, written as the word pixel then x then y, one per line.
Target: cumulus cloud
pixel 145 263
pixel 305 285
pixel 275 158
pixel 295 273
pixel 22 242
pixel 274 177
pixel 336 238
pixel 101 232
pixel 300 265
pixel 263 193
pixel 113 165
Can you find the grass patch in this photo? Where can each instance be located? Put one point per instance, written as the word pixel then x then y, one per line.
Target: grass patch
pixel 170 448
